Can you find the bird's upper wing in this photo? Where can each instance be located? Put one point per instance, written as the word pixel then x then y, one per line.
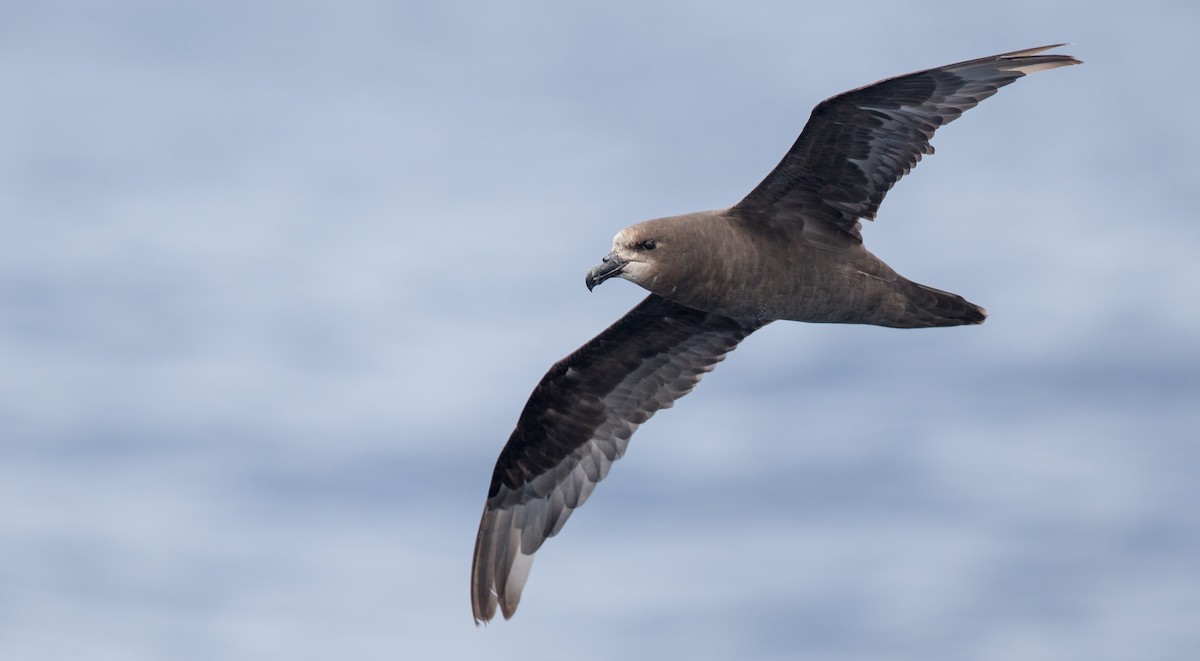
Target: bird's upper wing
pixel 577 422
pixel 857 145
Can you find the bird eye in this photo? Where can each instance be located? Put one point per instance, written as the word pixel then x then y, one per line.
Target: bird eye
pixel 648 244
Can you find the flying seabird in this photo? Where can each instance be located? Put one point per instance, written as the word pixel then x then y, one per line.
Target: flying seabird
pixel 792 249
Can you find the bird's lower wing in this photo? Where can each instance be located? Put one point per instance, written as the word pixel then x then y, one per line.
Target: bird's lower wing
pixel 577 423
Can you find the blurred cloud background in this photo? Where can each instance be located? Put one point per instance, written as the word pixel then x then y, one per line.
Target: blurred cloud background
pixel 276 279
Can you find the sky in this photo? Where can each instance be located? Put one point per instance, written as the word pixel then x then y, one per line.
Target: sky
pixel 276 279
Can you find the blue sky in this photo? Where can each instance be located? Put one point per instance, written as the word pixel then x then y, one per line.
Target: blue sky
pixel 276 279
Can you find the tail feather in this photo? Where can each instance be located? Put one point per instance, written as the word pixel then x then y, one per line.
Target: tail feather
pixel 926 307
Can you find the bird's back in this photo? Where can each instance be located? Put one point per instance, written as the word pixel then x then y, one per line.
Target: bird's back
pixel 738 270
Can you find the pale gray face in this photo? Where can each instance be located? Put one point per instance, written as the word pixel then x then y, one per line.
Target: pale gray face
pixel 633 257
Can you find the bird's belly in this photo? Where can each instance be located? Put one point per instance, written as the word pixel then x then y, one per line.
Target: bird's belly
pixel 811 291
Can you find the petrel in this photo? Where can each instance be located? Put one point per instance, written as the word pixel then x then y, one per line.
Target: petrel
pixel 792 249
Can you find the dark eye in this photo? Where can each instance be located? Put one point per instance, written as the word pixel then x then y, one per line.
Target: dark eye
pixel 648 244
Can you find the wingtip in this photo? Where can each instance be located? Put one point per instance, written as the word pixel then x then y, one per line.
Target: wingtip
pixel 499 568
pixel 1034 51
pixel 481 613
pixel 1030 62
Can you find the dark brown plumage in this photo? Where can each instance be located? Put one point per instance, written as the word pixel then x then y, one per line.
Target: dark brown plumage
pixel 792 249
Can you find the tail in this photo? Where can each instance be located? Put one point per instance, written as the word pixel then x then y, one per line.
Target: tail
pixel 926 307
